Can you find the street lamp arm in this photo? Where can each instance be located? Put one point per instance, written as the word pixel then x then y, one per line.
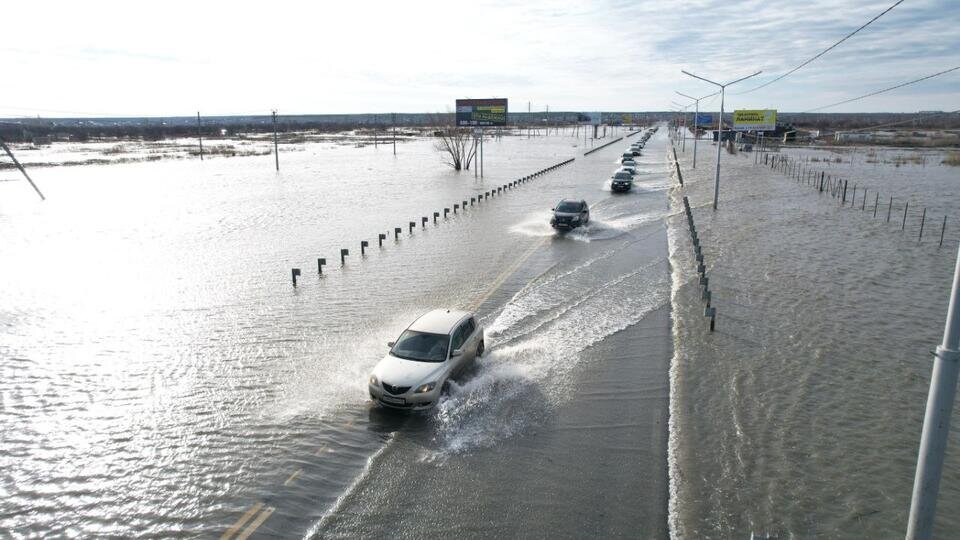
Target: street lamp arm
pixel 701 78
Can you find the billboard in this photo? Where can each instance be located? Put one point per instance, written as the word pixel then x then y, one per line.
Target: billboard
pixel 755 120
pixel 482 112
pixel 703 119
pixel 593 118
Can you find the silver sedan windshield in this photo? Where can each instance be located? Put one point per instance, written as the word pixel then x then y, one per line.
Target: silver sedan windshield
pixel 421 346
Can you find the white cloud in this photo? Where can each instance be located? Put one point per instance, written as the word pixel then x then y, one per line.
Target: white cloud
pixel 239 58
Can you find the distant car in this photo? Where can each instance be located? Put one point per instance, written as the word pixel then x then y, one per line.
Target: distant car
pixel 632 169
pixel 628 163
pixel 627 155
pixel 570 214
pixel 436 348
pixel 621 182
pixel 636 151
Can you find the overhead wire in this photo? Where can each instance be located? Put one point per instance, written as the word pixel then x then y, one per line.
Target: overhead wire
pixel 901 122
pixel 877 92
pixel 821 53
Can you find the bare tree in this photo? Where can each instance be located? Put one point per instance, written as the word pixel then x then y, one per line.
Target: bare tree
pixel 457 145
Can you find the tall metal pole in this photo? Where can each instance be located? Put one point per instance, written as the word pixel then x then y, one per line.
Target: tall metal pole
pixel 199 136
pixel 683 144
pixel 22 170
pixel 723 87
pixel 481 152
pixel 393 120
pixel 276 153
pixel 696 120
pixel 716 183
pixel 936 421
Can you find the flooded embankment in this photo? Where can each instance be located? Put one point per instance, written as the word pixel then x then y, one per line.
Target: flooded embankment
pixel 801 415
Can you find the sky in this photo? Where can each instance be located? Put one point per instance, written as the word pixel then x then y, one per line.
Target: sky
pixel 174 58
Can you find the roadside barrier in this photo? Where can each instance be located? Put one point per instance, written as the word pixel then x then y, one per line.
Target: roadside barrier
pixel 706 295
pixel 602 146
pixel 460 205
pixel 838 189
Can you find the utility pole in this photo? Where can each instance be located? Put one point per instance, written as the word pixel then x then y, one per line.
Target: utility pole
pixel 696 123
pixel 199 136
pixel 22 170
pixel 936 421
pixel 481 152
pixel 393 120
pixel 723 89
pixel 276 153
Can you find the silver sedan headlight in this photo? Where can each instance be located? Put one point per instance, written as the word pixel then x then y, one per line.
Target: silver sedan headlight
pixel 424 388
pixel 373 380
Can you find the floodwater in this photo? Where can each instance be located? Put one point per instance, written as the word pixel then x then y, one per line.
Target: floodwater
pixel 800 416
pixel 160 376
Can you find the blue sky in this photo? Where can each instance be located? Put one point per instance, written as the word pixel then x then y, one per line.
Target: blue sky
pixel 174 58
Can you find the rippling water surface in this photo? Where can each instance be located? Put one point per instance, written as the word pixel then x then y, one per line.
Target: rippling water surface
pixel 159 375
pixel 800 416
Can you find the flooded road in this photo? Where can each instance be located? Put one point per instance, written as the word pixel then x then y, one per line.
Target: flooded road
pixel 161 376
pixel 801 415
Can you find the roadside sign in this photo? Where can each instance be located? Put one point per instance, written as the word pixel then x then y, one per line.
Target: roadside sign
pixel 482 112
pixel 595 118
pixel 755 120
pixel 703 119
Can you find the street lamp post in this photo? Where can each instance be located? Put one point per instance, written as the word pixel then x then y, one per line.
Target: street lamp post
pixel 723 88
pixel 696 121
pixel 936 422
pixel 682 114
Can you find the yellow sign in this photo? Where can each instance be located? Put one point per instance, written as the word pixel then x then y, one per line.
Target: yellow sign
pixel 755 120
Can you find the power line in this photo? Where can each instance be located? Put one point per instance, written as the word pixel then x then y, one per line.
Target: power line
pixel 823 52
pixel 901 85
pixel 901 122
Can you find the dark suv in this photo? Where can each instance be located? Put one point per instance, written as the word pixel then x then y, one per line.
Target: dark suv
pixel 570 214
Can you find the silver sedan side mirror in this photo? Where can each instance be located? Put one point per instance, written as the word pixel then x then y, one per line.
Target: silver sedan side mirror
pixel 391 344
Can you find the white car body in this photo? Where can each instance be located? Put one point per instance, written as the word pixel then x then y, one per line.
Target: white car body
pixel 404 380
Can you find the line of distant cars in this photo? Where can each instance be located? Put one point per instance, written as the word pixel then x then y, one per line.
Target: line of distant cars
pixel 443 343
pixel 622 179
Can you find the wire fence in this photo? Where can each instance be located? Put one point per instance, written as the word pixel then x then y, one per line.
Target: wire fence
pixel 862 197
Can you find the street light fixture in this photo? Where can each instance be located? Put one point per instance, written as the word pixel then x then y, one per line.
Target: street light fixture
pixel 683 114
pixel 696 121
pixel 723 88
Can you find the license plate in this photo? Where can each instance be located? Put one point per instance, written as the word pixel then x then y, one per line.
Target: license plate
pixel 395 401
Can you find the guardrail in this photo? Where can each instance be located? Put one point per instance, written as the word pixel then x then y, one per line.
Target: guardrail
pixel 460 205
pixel 601 147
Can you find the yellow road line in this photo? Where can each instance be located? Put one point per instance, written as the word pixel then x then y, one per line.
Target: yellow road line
pixel 506 273
pixel 240 522
pixel 256 523
pixel 293 477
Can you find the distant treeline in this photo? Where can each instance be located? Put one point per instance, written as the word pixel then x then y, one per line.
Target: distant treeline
pixel 153 129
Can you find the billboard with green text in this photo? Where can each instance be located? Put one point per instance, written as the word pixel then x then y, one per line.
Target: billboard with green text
pixel 755 120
